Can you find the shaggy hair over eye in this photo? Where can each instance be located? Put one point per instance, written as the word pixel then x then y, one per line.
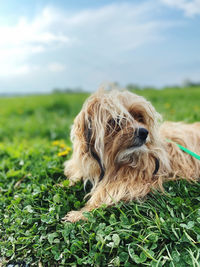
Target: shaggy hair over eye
pixel 120 145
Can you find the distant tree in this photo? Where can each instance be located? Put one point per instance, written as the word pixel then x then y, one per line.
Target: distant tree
pixel 67 90
pixel 57 91
pixel 189 83
pixel 133 86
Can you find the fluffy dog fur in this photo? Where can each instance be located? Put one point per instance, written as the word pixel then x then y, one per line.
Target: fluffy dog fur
pixel 120 160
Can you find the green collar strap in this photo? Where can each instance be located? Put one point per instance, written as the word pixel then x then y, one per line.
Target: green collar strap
pixel 191 153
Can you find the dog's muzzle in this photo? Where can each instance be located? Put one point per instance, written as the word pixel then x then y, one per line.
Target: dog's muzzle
pixel 142 134
pixel 140 137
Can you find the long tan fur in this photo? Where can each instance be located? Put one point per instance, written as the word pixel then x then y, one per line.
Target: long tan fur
pixel 107 126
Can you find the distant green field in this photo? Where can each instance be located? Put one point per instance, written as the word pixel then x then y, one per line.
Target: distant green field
pixel 162 231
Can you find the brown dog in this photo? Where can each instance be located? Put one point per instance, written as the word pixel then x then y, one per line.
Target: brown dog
pixel 120 147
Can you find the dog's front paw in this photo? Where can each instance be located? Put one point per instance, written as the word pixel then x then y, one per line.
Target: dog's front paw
pixel 66 183
pixel 73 216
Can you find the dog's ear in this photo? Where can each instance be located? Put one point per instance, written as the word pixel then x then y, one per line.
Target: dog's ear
pixel 90 149
pixel 88 133
pixel 157 166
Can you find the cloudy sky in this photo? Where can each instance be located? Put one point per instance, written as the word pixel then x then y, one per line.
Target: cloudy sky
pixel 84 43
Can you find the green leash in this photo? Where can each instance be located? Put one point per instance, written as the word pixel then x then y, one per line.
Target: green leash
pixel 191 153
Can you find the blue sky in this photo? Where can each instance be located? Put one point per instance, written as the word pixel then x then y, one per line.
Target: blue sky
pixel 85 43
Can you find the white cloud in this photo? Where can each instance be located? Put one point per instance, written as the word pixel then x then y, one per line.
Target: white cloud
pixel 21 41
pixel 190 7
pixel 86 45
pixel 56 67
pixel 124 26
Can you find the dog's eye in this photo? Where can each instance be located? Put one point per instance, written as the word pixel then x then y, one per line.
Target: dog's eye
pixel 139 117
pixel 112 123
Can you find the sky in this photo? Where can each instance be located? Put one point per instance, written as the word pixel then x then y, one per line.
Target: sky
pixel 86 43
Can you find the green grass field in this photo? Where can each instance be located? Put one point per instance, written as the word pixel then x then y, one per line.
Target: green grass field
pixel 162 231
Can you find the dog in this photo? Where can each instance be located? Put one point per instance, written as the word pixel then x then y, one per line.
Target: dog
pixel 123 149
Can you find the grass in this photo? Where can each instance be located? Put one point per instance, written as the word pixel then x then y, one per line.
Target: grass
pixel 162 231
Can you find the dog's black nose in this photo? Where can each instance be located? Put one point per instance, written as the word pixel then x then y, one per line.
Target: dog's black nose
pixel 143 133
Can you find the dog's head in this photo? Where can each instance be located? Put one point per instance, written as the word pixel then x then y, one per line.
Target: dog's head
pixel 116 129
